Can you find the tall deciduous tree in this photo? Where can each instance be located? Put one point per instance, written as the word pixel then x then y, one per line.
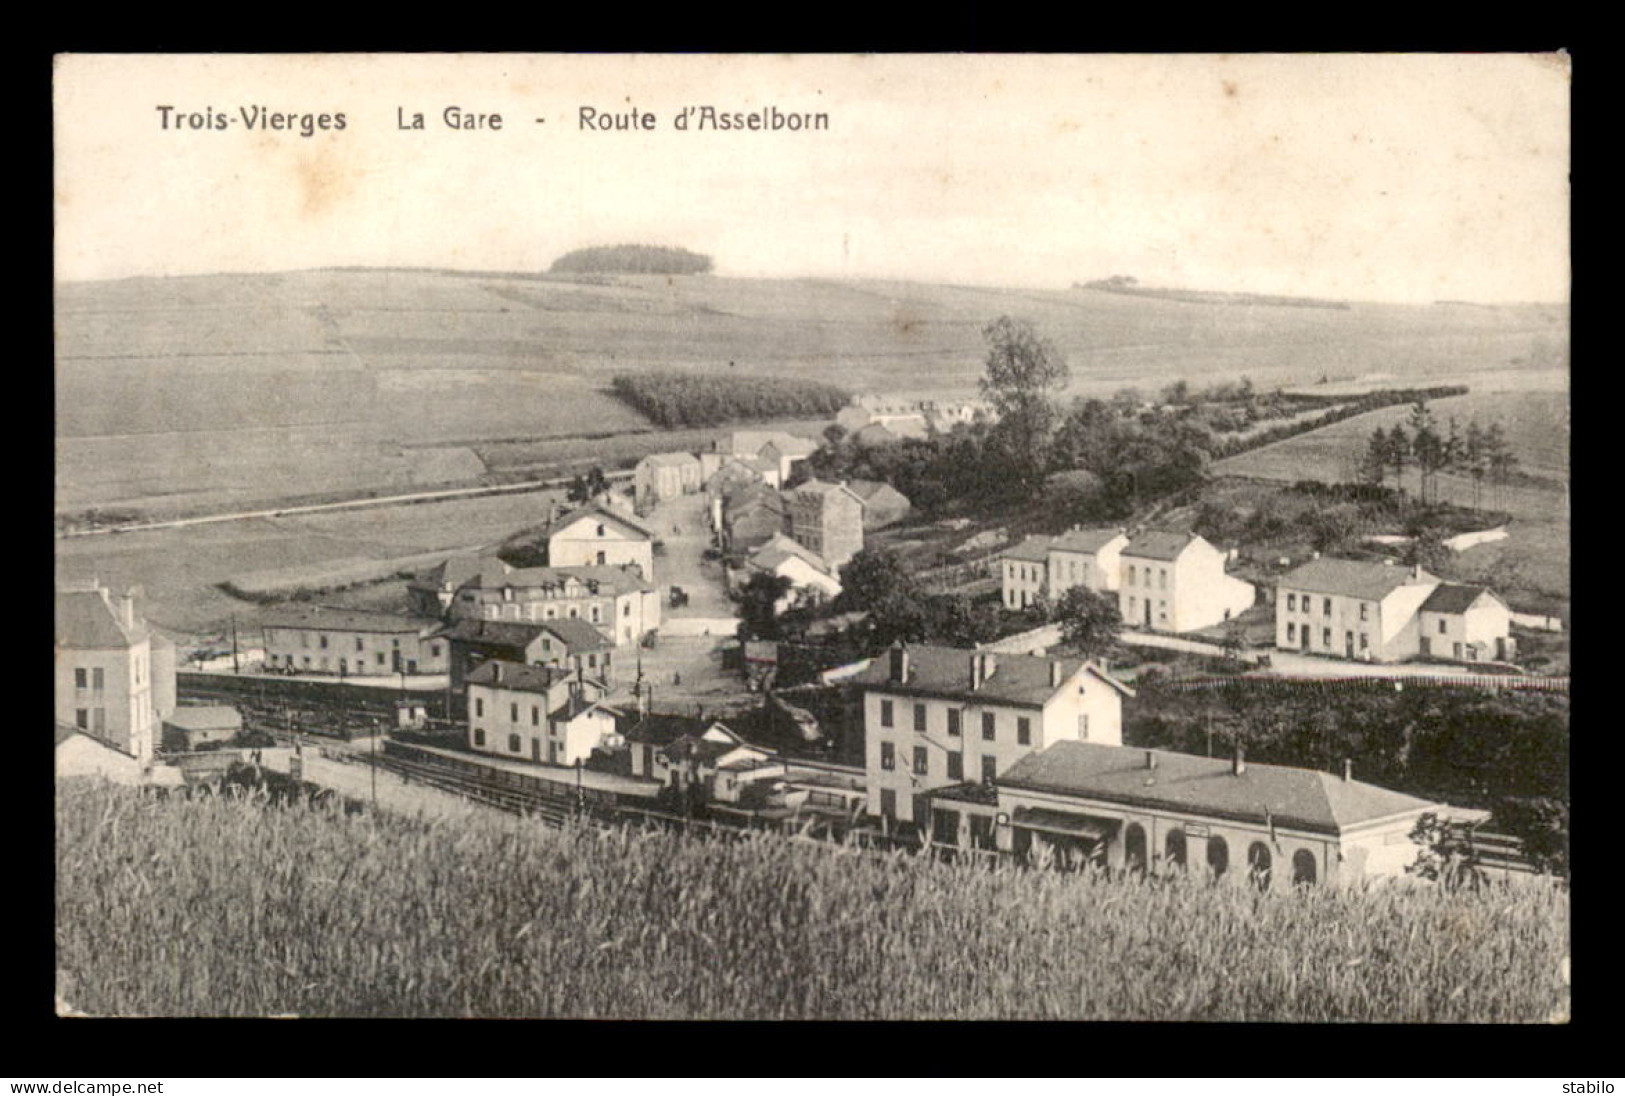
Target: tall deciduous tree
pixel 1089 620
pixel 1024 374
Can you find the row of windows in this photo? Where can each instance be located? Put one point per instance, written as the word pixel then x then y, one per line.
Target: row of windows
pixel 1293 602
pixel 1160 574
pixel 358 664
pixel 360 642
pixel 1292 634
pixel 90 719
pixel 922 762
pixel 1134 608
pixel 1259 860
pixel 1024 724
pixel 516 745
pixel 95 680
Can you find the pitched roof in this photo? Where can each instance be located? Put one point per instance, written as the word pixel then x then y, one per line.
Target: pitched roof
pixel 876 434
pixel 451 572
pixel 1158 544
pixel 826 489
pixel 872 490
pixel 751 496
pixel 518 677
pixel 1032 549
pixel 342 620
pixel 577 706
pixel 1365 579
pixel 577 634
pixel 945 672
pixel 789 445
pixel 1084 540
pixel 780 549
pixel 497 574
pixel 509 633
pixel 85 619
pixel 1297 798
pixel 1452 597
pixel 659 729
pixel 597 510
pixel 671 460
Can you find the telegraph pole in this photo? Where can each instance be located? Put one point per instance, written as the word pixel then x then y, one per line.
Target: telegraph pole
pixel 236 668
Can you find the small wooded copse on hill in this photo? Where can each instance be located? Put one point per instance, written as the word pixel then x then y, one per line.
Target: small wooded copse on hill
pixel 707 399
pixel 631 259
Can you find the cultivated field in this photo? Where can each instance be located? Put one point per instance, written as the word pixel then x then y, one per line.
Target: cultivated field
pixel 316 914
pixel 178 568
pixel 204 391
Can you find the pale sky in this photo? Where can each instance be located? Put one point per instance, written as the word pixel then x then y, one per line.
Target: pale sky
pixel 1396 177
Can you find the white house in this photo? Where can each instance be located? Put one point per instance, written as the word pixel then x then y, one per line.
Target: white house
pixel 1085 557
pixel 544 714
pixel 1175 582
pixel 936 717
pixel 662 476
pixel 809 575
pixel 1465 623
pixel 115 676
pixel 596 536
pixel 1359 609
pixel 1024 572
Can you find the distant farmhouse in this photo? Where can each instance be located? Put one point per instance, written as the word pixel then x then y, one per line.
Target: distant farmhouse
pixel 880 420
pixel 1050 566
pixel 1384 612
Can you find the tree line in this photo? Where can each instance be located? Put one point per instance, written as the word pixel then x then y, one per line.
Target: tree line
pixel 710 399
pixel 631 259
pixel 1479 452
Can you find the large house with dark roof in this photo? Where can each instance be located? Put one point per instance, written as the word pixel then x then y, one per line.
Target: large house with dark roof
pixel 318 639
pixel 617 601
pixel 1164 812
pixel 1175 582
pixel 939 717
pixel 1381 611
pixel 115 676
pixel 544 714
pixel 572 645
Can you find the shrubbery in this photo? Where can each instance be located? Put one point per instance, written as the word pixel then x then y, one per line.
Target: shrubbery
pixel 631 259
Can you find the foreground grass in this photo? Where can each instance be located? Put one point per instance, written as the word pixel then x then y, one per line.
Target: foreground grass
pixel 236 907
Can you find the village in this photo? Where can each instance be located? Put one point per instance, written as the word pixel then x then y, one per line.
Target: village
pixel 635 659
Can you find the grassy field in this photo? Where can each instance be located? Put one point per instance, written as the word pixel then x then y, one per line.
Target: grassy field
pixel 216 907
pixel 1532 564
pixel 178 568
pixel 226 388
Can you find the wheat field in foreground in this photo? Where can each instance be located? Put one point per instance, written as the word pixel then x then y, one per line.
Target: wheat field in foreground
pixel 216 906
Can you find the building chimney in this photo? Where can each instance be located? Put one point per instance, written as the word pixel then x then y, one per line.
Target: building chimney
pixel 1238 761
pixel 124 609
pixel 1150 759
pixel 990 664
pixel 899 664
pixel 1348 769
pixel 496 672
pixel 1054 674
pixel 975 670
pixel 1416 570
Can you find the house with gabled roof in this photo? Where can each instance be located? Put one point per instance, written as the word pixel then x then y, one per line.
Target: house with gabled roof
pixel 883 504
pixel 661 476
pixel 1351 608
pixel 689 753
pixel 1466 624
pixel 596 535
pixel 1164 812
pixel 544 714
pixel 322 639
pixel 1176 582
pixel 752 514
pixel 827 519
pixel 944 717
pixel 618 601
pixel 1024 572
pixel 810 577
pixel 115 675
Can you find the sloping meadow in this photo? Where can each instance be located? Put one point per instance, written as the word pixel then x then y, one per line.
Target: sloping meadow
pixel 216 906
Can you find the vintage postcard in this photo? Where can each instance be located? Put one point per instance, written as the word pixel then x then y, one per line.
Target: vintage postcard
pixel 813 536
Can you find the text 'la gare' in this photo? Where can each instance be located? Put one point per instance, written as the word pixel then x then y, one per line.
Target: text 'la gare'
pixel 453 117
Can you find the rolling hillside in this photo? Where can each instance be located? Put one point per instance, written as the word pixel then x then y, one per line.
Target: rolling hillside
pixel 215 390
